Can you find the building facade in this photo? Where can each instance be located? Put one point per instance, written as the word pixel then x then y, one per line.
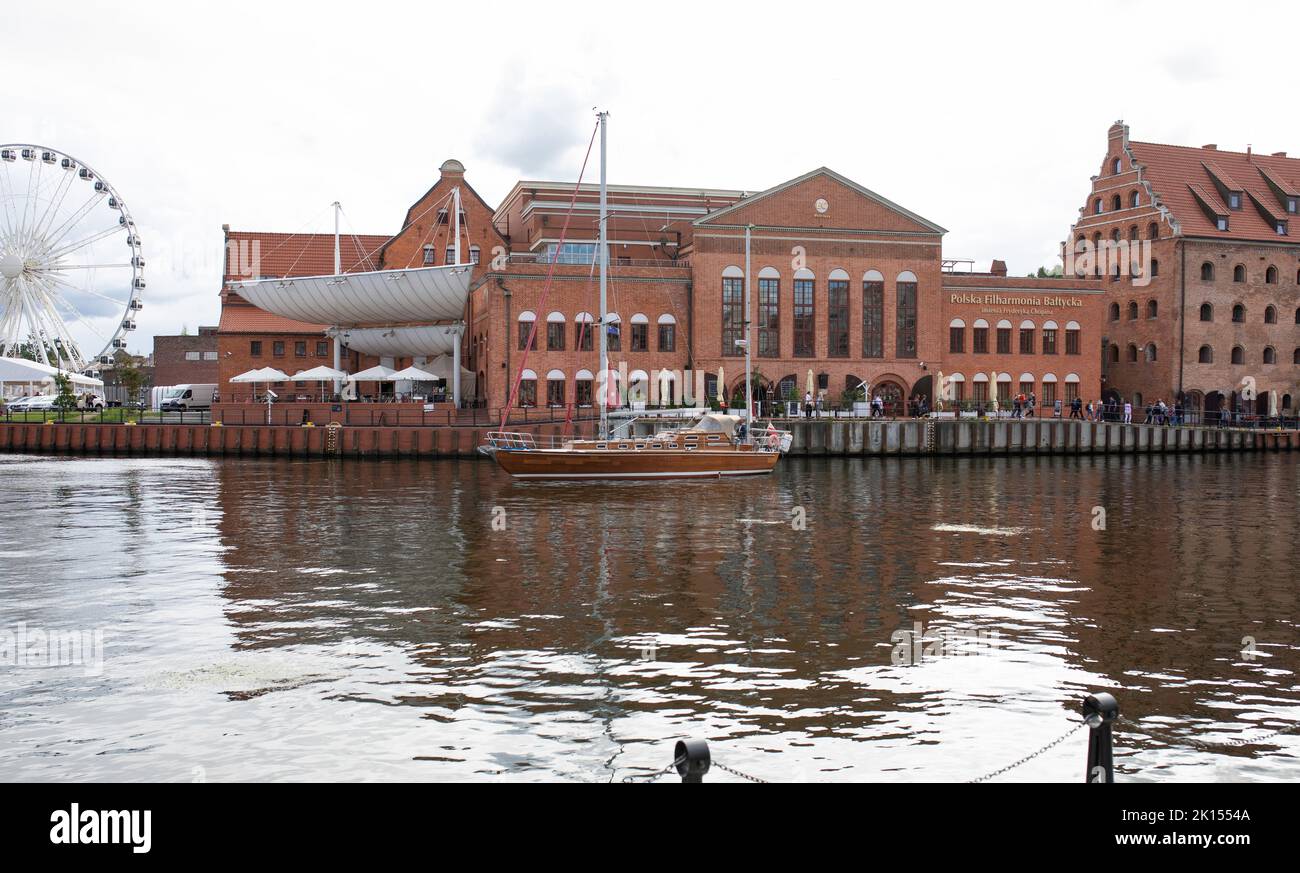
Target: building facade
pixel 186 359
pixel 1207 308
pixel 846 287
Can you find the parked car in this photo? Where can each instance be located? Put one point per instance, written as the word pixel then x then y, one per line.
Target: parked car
pixel 32 404
pixel 90 401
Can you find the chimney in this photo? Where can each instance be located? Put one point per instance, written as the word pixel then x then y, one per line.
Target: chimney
pixel 1209 146
pixel 998 268
pixel 1247 149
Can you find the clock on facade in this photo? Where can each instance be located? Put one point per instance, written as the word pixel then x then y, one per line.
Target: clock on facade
pixel 821 205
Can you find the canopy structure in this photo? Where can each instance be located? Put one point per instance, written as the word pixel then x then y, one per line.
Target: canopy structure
pixel 23 370
pixel 383 296
pixel 403 342
pixel 444 367
pixel 266 374
pixel 714 422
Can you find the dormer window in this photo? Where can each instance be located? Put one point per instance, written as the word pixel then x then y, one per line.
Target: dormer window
pixel 1291 205
pixel 1221 222
pixel 1281 228
pixel 1234 199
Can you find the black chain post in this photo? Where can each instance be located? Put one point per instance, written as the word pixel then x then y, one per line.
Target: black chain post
pixel 1100 711
pixel 692 759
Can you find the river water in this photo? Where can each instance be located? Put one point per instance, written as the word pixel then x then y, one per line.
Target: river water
pixel 433 620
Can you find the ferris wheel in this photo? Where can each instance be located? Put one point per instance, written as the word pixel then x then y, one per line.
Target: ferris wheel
pixel 71 268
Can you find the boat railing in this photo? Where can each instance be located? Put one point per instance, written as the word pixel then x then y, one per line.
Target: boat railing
pixel 769 439
pixel 521 441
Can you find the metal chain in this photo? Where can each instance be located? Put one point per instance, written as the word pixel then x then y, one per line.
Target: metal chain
pixel 1056 742
pixel 651 777
pixel 1233 744
pixel 724 768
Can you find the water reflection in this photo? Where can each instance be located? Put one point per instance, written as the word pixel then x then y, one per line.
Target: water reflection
pixel 318 619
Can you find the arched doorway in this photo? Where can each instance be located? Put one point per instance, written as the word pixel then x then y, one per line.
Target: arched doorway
pixel 923 389
pixel 892 394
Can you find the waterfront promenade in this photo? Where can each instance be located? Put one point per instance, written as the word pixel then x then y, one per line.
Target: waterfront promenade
pixel 901 437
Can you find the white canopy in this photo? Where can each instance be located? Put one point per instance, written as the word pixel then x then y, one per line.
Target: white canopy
pixel 402 342
pixel 415 374
pixel 378 373
pixel 424 294
pixel 319 374
pixel 266 374
pixel 23 370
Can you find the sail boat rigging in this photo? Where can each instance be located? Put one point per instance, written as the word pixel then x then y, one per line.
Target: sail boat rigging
pixel 713 446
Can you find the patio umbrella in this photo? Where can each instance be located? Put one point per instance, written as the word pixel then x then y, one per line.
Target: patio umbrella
pixel 809 389
pixel 265 374
pixel 942 393
pixel 415 374
pixel 1272 404
pixel 320 374
pixel 378 373
pixel 722 382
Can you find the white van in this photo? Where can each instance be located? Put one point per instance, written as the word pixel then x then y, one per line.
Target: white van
pixel 180 398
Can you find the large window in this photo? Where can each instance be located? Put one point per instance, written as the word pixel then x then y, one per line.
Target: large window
pixel 322 348
pixel 1049 340
pixel 255 348
pixel 906 334
pixel 528 392
pixel 1071 341
pixel 583 331
pixel 614 337
pixel 769 318
pixel 582 392
pixel 640 337
pixel 733 315
pixel 873 319
pixel 667 337
pixel 526 333
pixel 805 326
pixel 979 338
pixel 837 318
pixel 1026 339
pixel 554 337
pixel 572 253
pixel 1004 340
pixel 554 392
pixel 277 348
pixel 957 337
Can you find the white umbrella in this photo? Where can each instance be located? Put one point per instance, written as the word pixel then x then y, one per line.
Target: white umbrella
pixel 378 373
pixel 266 374
pixel 1272 404
pixel 810 382
pixel 415 374
pixel 722 387
pixel 319 374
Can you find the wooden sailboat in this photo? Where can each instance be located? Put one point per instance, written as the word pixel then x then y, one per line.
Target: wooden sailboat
pixel 713 446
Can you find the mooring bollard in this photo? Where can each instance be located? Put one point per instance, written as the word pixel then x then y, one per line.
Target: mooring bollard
pixel 1099 711
pixel 692 759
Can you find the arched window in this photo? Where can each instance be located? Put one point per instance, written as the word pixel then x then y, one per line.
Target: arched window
pixel 1207 272
pixel 1133 200
pixel 1297 316
pixel 733 308
pixel 555 332
pixel 1239 313
pixel 474 252
pixel 1151 309
pixel 905 320
pixel 1132 353
pixel 1132 310
pixel 555 388
pixel 1116 167
pixel 1114 312
pixel 584 335
pixel 1155 268
pixel 1295 357
pixel 527 319
pixel 1207 312
pixel 1114 353
pixel 1153 231
pixel 667 333
pixel 1096 206
pixel 528 388
pixel 1205 355
pixel 1270 315
pixel 1116 204
pixel 956 336
pixel 640 333
pixel 1239 273
pixel 1133 232
pixel 1150 353
pixel 1270 275
pixel 1270 355
pixel 1238 355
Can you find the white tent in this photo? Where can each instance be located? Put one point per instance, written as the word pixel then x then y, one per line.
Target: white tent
pixel 442 367
pixel 24 371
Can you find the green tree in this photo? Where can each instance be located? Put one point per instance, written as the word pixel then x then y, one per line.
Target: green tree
pixel 129 377
pixel 66 400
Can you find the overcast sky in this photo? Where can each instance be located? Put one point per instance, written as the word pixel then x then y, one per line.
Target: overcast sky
pixel 986 119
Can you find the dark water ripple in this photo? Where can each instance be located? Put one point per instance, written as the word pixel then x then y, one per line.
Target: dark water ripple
pixel 317 620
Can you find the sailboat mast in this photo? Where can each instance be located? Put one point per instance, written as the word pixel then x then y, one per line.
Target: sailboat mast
pixel 749 387
pixel 456 221
pixel 338 268
pixel 603 251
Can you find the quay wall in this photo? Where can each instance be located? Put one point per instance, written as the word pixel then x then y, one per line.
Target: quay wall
pixel 827 437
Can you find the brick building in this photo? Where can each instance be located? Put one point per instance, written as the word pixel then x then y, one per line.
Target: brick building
pixel 846 286
pixel 187 359
pixel 1207 308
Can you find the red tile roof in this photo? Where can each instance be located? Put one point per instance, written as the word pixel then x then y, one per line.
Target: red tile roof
pixel 297 254
pixel 1174 171
pixel 239 316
